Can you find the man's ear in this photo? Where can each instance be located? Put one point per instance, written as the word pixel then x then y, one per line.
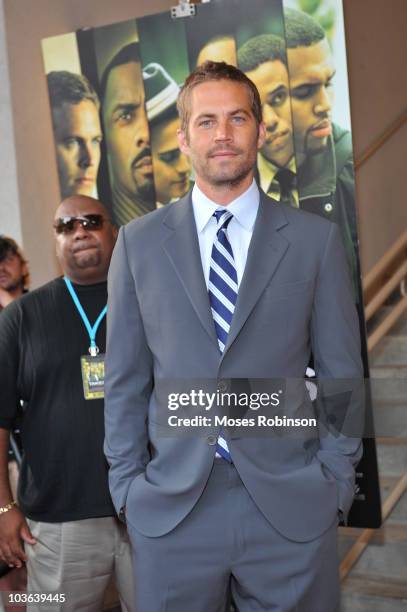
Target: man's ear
pixel 183 141
pixel 262 135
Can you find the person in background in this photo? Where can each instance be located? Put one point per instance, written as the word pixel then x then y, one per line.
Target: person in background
pixel 52 342
pixel 14 282
pixel 77 132
pixel 14 274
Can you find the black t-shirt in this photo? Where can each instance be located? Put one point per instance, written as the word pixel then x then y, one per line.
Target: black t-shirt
pixel 42 337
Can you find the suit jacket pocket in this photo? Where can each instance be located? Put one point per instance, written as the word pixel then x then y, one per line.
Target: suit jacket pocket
pixel 284 290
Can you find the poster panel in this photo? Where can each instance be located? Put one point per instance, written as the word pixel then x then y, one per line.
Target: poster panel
pixel 75 106
pixel 130 73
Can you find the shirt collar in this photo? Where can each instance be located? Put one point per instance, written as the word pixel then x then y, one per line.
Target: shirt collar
pixel 267 170
pixel 244 208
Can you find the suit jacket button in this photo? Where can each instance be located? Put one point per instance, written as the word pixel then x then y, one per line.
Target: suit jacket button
pixel 211 440
pixel 328 207
pixel 222 386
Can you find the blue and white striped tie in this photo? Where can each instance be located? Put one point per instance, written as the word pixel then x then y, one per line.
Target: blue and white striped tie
pixel 222 290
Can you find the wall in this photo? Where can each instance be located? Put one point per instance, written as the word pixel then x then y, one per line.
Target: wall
pixel 377 48
pixel 10 222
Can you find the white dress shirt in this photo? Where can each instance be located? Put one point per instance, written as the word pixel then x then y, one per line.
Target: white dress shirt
pixel 239 231
pixel 268 182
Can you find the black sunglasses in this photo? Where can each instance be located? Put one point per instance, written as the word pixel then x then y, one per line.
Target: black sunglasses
pixel 66 225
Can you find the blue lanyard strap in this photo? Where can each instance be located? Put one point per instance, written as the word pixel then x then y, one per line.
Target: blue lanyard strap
pixel 92 331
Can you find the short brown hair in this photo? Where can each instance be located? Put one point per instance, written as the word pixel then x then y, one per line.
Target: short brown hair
pixel 215 71
pixel 68 87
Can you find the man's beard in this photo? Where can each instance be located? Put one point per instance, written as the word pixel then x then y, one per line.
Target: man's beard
pixel 144 184
pixel 228 176
pixel 12 285
pixel 312 151
pixel 233 180
pixel 87 259
pixel 146 191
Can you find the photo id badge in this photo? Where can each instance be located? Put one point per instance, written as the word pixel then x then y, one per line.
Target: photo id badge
pixel 93 376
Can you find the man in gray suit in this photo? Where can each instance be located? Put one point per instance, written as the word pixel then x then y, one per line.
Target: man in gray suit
pixel 226 284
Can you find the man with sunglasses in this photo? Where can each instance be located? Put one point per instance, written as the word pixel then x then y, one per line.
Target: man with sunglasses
pixel 52 344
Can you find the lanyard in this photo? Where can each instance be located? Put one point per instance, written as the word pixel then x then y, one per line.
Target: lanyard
pixel 93 349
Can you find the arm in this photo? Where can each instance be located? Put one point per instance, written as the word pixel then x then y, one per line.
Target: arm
pixel 13 526
pixel 128 380
pixel 336 348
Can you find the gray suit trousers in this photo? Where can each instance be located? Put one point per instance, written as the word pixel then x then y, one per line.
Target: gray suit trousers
pixel 226 540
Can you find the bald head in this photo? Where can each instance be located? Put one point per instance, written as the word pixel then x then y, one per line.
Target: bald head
pixel 80 202
pixel 85 237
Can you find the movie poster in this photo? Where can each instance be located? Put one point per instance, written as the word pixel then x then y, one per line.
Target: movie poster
pixel 113 93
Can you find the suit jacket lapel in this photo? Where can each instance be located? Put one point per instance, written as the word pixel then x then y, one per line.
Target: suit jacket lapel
pixel 182 248
pixel 267 248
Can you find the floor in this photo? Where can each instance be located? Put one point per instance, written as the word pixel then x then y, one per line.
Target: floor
pixel 378 580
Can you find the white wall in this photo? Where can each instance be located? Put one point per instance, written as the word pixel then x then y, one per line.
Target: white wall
pixel 10 222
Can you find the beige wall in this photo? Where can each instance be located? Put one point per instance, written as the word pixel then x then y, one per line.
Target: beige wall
pixel 377 52
pixel 377 48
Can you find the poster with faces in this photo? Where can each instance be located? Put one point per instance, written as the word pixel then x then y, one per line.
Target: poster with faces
pixel 113 93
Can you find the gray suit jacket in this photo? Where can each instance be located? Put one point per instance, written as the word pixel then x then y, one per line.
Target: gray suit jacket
pixel 295 296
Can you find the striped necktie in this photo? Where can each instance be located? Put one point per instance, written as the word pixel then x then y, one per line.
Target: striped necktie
pixel 222 290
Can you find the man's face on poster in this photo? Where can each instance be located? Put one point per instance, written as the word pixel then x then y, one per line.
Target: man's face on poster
pixel 78 136
pixel 171 166
pixel 221 49
pixel 126 132
pixel 271 80
pixel 311 74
